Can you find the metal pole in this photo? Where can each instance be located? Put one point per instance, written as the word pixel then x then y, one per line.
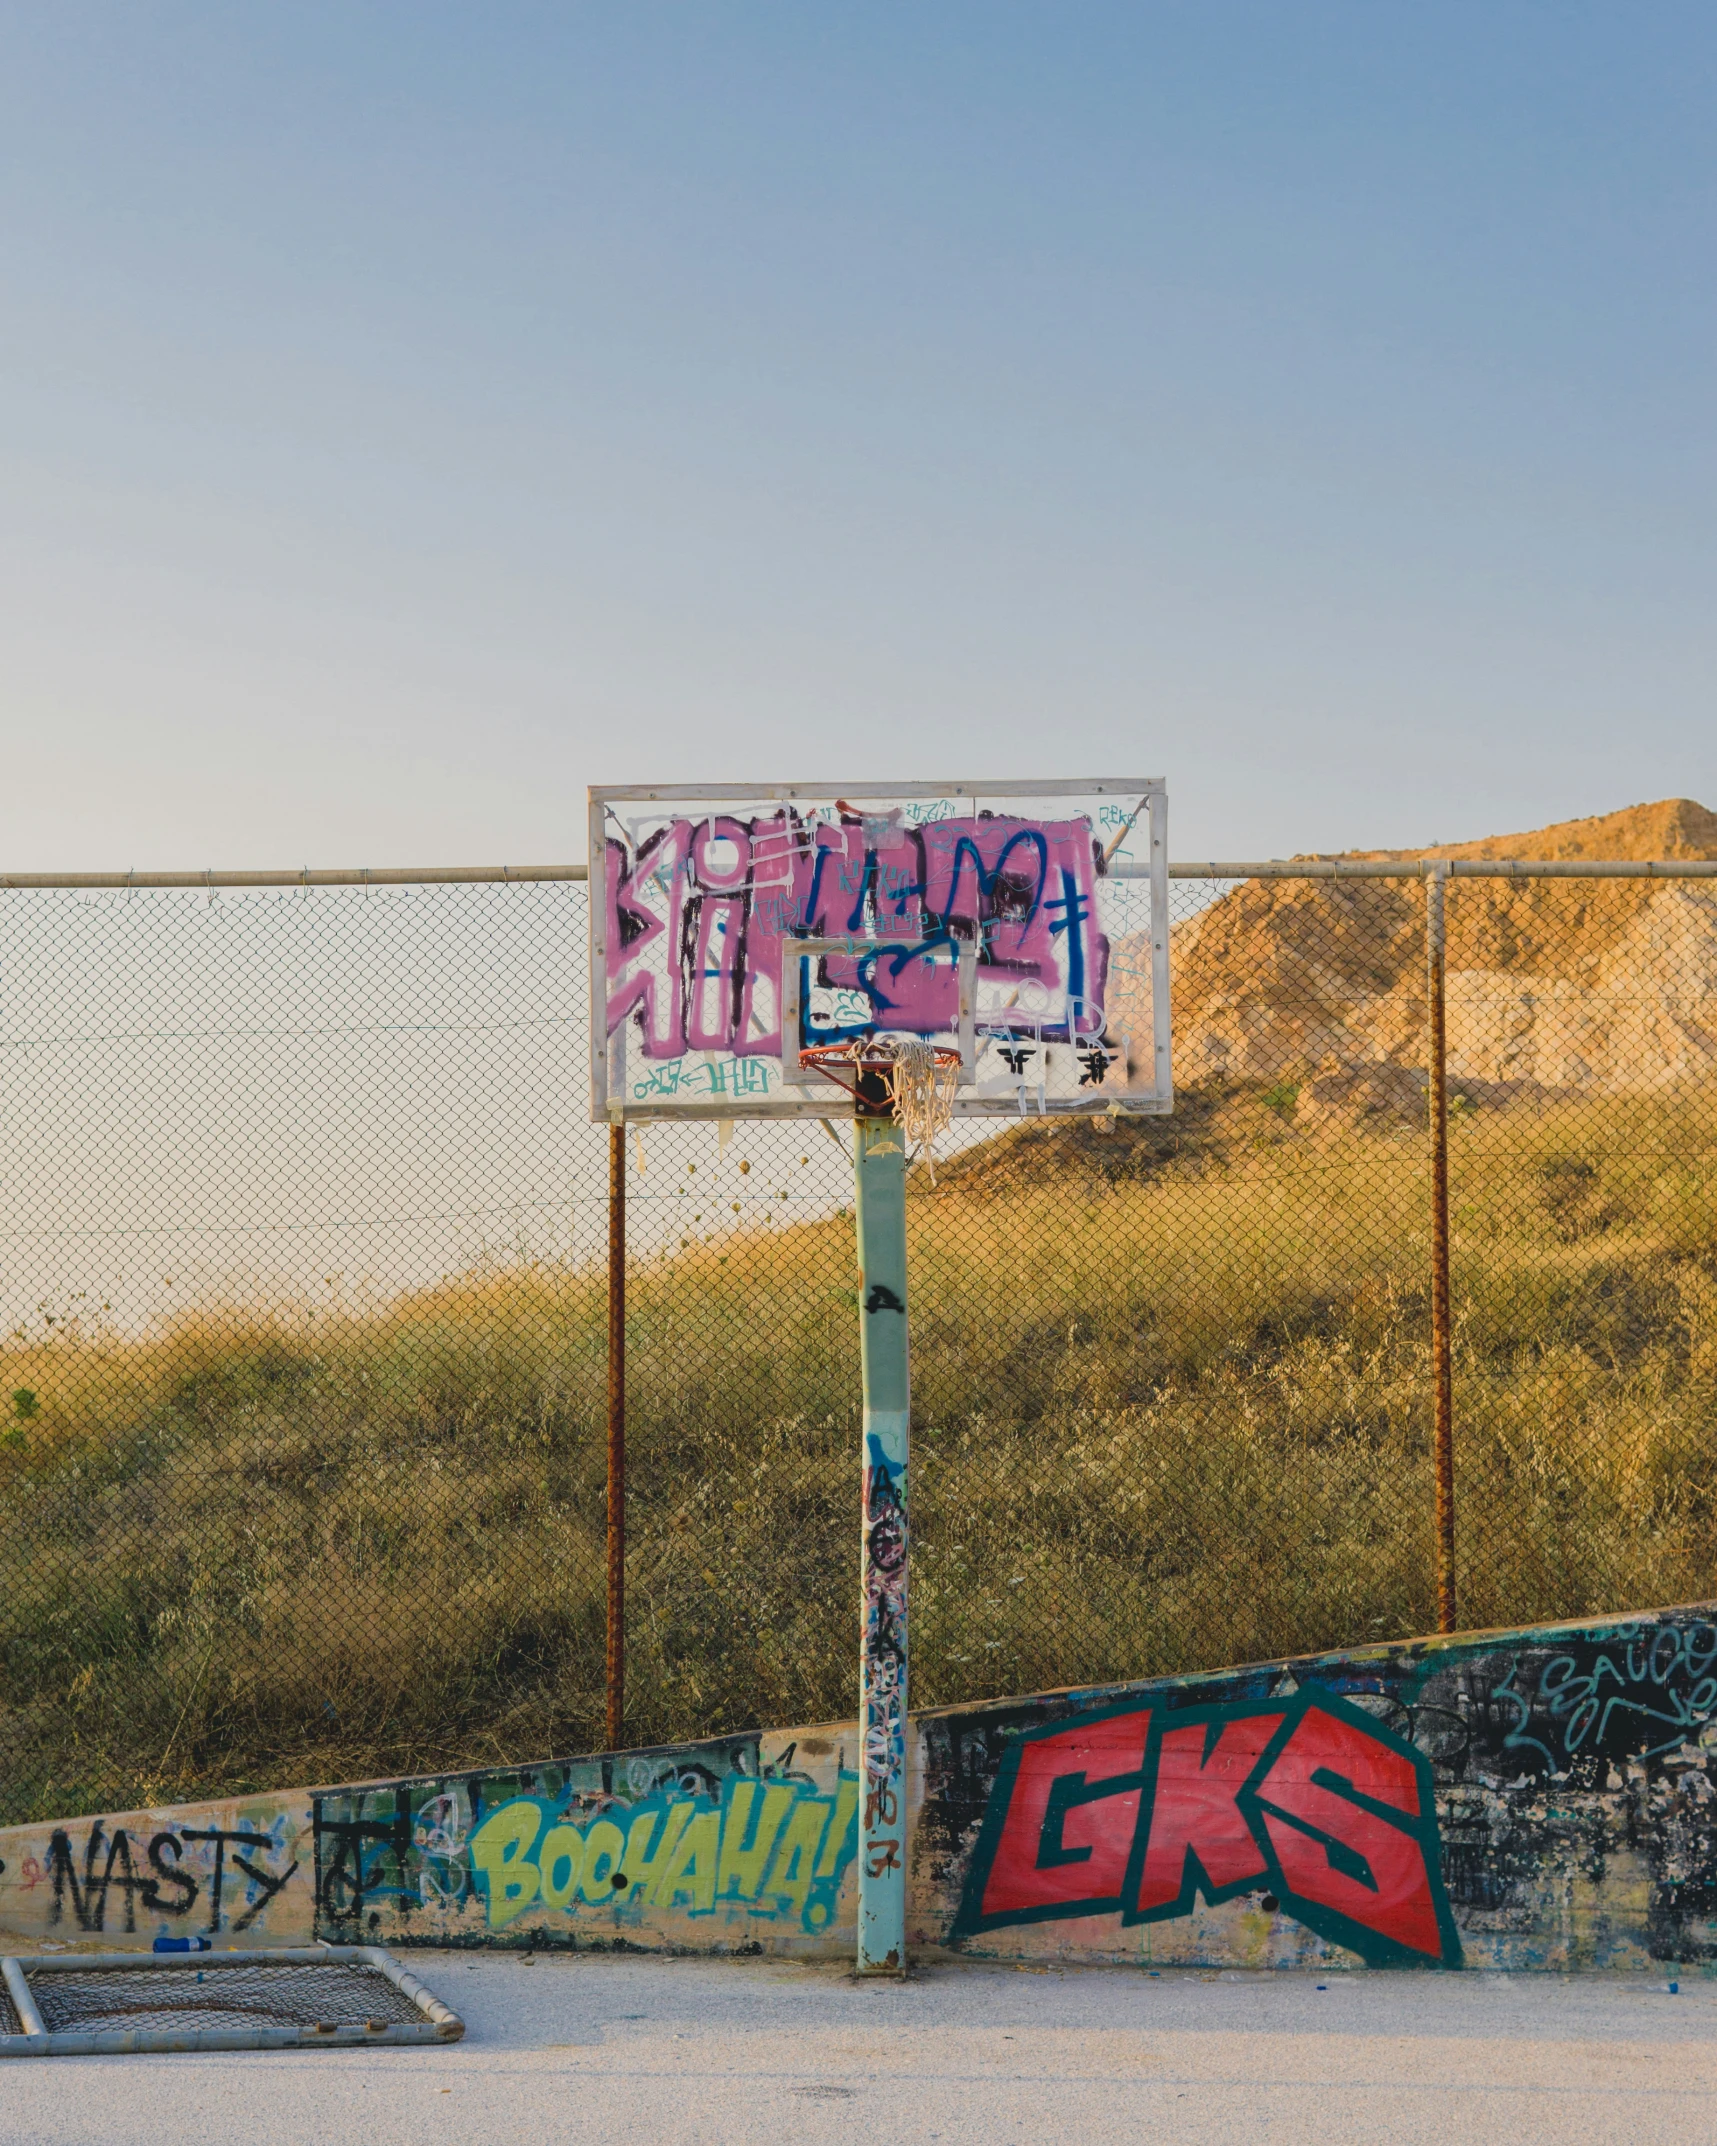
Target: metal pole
pixel 879 1155
pixel 616 1434
pixel 1442 1368
pixel 519 875
pixel 429 875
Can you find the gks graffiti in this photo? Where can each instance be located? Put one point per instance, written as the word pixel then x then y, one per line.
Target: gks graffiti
pixel 1137 1810
pixel 771 1849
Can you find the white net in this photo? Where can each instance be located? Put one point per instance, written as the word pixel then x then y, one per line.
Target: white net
pixel 920 1082
pixel 921 1091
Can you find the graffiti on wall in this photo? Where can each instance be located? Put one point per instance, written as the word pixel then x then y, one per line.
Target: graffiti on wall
pixel 1641 1688
pixel 775 1851
pixel 1550 1796
pixel 725 1834
pixel 699 912
pixel 185 1877
pixel 367 1861
pixel 1138 1810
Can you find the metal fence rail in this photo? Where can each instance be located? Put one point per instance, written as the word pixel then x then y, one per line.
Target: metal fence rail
pixel 313 1311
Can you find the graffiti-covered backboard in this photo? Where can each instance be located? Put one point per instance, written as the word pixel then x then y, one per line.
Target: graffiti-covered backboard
pixel 1022 924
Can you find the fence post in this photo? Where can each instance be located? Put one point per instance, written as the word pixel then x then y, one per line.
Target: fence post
pixel 1442 1368
pixel 616 1434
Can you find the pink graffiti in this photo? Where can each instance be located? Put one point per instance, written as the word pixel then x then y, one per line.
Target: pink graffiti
pixel 698 916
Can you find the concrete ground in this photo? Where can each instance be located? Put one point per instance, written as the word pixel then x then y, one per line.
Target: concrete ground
pixel 669 2051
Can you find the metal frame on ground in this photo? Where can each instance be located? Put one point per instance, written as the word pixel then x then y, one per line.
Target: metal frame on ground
pixel 439 2023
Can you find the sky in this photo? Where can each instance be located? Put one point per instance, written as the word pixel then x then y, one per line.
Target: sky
pixel 409 415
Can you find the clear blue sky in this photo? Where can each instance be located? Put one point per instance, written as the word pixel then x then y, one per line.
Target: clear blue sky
pixel 408 415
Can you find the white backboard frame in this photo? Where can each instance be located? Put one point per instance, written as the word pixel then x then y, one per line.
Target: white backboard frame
pixel 1149 798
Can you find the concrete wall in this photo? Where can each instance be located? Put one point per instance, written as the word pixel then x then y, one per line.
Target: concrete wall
pixel 1538 1799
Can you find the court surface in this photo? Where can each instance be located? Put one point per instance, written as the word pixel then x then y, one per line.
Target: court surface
pixel 587 2047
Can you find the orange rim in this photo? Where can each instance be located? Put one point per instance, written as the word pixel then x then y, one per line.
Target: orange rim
pixel 831 1059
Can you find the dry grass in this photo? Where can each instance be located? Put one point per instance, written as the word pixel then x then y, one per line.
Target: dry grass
pixel 1168 1414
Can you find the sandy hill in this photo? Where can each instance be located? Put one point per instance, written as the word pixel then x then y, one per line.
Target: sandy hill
pixel 1674 828
pixel 1552 983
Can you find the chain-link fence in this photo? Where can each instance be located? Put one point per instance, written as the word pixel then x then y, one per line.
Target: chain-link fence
pixel 302 1225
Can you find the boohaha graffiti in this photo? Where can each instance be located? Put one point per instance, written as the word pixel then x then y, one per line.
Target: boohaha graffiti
pixel 1136 1811
pixel 771 1851
pixel 452 1858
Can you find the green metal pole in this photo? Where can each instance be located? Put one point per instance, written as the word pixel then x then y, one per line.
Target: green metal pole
pixel 879 1153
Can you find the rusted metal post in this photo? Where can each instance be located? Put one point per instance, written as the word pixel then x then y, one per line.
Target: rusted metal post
pixel 616 1434
pixel 1442 1366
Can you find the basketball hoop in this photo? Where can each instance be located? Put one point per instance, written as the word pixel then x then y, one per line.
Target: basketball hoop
pixel 919 1079
pixel 977 915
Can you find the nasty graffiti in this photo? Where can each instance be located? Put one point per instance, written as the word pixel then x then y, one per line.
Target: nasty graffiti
pixel 771 1850
pixel 699 913
pixel 233 1872
pixel 1136 1811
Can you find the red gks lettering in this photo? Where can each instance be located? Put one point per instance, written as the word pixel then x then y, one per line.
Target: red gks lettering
pixel 1141 1811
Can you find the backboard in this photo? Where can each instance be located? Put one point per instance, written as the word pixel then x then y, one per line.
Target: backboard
pixel 1024 925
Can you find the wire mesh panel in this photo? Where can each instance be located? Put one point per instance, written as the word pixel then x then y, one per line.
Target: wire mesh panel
pixel 302 1347
pixel 256 1995
pixel 1171 1374
pixel 1583 1175
pixel 743 1407
pixel 125 2003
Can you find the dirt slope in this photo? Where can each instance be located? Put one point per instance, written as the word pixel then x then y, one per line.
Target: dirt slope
pixel 1601 986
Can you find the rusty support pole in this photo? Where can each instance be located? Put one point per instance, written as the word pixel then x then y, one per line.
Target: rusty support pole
pixel 616 1434
pixel 1442 1367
